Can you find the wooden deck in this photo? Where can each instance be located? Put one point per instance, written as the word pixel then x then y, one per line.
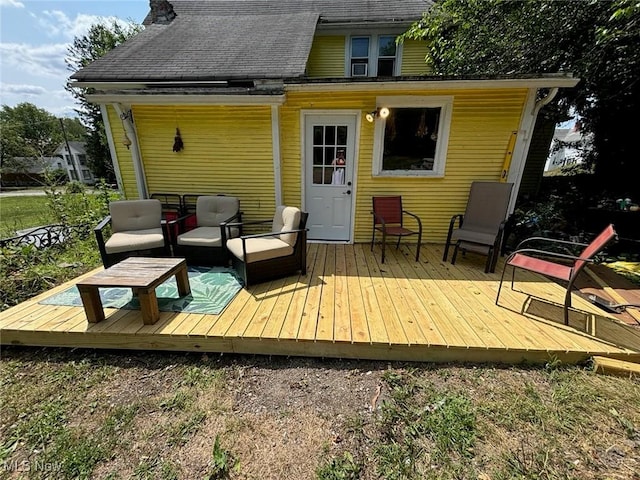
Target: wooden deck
pixel 351 306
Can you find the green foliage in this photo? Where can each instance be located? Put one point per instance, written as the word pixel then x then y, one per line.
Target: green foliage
pixel 340 468
pixel 421 427
pixel 27 131
pixel 596 42
pixel 222 462
pixel 100 39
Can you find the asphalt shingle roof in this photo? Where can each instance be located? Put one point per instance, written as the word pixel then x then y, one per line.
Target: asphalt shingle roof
pixel 209 47
pixel 237 39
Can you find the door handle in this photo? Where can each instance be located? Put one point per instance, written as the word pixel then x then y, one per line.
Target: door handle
pixel 348 192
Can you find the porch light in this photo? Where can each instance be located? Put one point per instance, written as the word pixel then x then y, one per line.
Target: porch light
pixel 382 112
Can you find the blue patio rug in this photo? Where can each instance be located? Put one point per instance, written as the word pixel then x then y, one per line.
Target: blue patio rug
pixel 212 288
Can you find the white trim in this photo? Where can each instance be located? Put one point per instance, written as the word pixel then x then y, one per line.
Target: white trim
pixel 173 99
pixel 136 157
pixel 427 84
pixel 373 54
pixel 277 159
pixel 445 103
pixel 521 148
pixel 112 147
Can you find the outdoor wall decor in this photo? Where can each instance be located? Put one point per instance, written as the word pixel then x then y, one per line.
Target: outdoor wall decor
pixel 177 141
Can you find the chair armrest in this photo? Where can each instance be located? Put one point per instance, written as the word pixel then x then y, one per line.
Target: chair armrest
pixel 414 216
pixel 546 253
pixel 100 237
pixel 550 240
pixel 225 227
pixel 273 234
pixel 251 222
pixel 460 218
pixel 103 223
pixel 377 219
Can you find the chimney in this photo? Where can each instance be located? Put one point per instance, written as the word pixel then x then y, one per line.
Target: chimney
pixel 161 12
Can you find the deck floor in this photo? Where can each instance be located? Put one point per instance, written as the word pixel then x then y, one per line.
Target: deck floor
pixel 351 306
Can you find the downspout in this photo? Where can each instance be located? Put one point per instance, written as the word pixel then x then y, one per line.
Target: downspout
pixel 129 127
pixel 523 143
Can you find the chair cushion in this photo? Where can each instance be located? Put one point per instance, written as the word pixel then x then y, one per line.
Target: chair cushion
pixel 135 215
pixel 259 248
pixel 211 211
pixel 285 219
pixel 135 240
pixel 201 237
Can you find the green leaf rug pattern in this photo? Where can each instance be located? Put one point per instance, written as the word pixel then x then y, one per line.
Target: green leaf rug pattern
pixel 212 288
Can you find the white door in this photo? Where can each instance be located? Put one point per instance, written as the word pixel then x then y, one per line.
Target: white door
pixel 329 158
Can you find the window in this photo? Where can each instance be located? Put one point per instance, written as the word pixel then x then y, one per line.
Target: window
pixel 82 159
pixel 329 154
pixel 74 175
pixel 86 174
pixel 386 56
pixel 68 159
pixel 360 56
pixel 412 140
pixel 370 56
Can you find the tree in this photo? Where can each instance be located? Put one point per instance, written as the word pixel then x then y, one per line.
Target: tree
pixel 100 39
pixel 597 41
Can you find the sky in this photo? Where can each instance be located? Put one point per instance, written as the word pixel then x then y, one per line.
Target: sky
pixel 34 37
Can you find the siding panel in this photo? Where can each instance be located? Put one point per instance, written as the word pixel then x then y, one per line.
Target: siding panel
pixel 125 160
pixel 226 150
pixel 413 58
pixel 326 59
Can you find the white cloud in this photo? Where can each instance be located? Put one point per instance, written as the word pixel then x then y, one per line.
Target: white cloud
pixel 38 60
pixel 57 23
pixel 26 90
pixel 11 3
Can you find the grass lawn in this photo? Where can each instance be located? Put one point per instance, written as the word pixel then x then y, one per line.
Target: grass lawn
pixel 21 212
pixel 147 415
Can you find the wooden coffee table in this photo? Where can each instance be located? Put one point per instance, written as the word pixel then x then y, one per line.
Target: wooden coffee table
pixel 142 275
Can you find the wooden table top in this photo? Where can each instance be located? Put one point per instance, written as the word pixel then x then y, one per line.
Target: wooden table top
pixel 136 272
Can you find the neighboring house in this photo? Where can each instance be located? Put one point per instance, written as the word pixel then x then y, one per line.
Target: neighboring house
pixel 31 171
pixel 74 162
pixel 566 149
pixel 264 93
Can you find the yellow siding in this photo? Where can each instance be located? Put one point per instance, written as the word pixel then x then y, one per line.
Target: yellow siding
pixel 413 58
pixel 124 156
pixel 482 122
pixel 326 59
pixel 226 150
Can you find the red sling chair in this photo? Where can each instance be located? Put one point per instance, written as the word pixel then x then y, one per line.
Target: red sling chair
pixel 540 261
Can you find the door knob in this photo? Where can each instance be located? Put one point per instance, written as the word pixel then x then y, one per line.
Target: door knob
pixel 349 183
pixel 348 192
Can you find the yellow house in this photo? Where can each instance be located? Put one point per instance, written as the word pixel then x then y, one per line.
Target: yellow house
pixel 266 95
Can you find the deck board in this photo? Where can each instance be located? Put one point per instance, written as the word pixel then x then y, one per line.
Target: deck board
pixel 351 305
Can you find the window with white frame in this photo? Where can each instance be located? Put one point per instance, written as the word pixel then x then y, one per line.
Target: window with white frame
pixel 412 140
pixel 359 56
pixel 86 174
pixel 373 55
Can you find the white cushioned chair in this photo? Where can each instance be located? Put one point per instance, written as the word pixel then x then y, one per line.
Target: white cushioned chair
pixel 280 252
pixel 205 244
pixel 136 227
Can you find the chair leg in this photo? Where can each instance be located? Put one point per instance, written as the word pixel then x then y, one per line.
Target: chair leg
pixel 398 244
pixel 504 269
pixel 373 237
pixel 455 254
pixel 384 243
pixel 487 266
pixel 418 249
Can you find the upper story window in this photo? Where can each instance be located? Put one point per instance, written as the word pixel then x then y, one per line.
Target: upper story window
pixel 386 55
pixel 412 141
pixel 360 56
pixel 82 159
pixel 371 56
pixel 68 159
